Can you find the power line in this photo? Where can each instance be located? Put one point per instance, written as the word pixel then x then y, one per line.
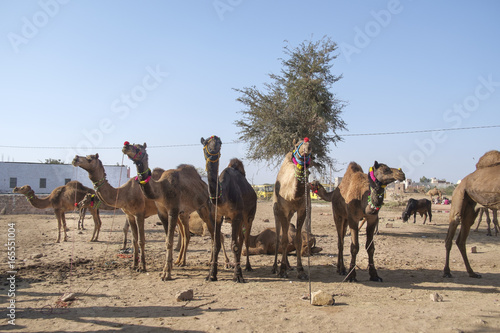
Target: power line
pixel 236 141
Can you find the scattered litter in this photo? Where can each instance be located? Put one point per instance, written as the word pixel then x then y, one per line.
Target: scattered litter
pixel 435 297
pixel 473 249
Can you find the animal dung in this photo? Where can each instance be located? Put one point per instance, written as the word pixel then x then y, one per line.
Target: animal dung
pixel 322 298
pixel 473 249
pixel 389 225
pixel 186 295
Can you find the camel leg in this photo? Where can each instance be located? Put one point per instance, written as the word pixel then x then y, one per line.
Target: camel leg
pixel 135 241
pixel 183 223
pixel 341 226
pixel 83 211
pixel 57 212
pixel 279 220
pixel 452 228
pixel 142 241
pixel 469 215
pixel 248 228
pixel 64 227
pixel 97 224
pixel 169 222
pixel 301 274
pixel 370 249
pixel 216 244
pixel 236 246
pixel 353 225
pixel 284 224
pixel 126 226
pixel 207 217
pixel 479 219
pixel 494 212
pixel 488 221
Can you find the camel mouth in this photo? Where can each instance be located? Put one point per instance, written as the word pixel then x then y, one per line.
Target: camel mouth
pixel 75 160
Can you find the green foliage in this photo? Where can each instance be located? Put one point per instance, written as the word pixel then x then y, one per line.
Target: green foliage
pixel 424 179
pixel 297 103
pixel 53 161
pixel 448 191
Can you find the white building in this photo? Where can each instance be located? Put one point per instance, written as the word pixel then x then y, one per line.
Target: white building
pixel 43 177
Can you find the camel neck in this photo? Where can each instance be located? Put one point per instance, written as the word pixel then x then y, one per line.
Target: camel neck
pixel 148 184
pixel 37 202
pixel 324 195
pixel 214 187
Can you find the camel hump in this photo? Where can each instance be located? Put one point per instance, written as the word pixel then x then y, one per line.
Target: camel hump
pixel 354 167
pixel 489 159
pixel 238 165
pixel 157 172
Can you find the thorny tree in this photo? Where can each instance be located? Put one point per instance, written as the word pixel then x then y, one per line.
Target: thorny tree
pixel 296 104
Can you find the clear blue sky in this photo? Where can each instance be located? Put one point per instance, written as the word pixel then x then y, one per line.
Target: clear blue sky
pixel 92 74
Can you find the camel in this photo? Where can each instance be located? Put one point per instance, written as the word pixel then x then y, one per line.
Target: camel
pixel 128 198
pixel 234 200
pixel 359 196
pixel 485 211
pixel 90 200
pixel 479 187
pixel 291 193
pixel 434 192
pixel 265 242
pixel 422 206
pixel 62 199
pixel 176 194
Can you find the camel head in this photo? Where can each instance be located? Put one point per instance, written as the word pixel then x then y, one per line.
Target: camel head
pixel 382 175
pixel 302 151
pixel 88 163
pixel 26 190
pixel 87 201
pixel 211 148
pixel 315 185
pixel 136 152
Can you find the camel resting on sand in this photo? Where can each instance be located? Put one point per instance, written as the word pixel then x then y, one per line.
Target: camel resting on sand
pixel 422 206
pixel 62 199
pixel 485 211
pixel 265 242
pixel 359 196
pixel 480 187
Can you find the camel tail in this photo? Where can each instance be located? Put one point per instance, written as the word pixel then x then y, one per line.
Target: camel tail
pixel 238 165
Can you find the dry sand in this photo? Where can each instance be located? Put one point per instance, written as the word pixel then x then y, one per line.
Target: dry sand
pixel 109 296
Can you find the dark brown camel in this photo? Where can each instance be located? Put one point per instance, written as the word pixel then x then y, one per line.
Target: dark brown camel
pixel 234 200
pixel 291 193
pixel 359 196
pixel 62 199
pixel 485 211
pixel 128 198
pixel 480 187
pixel 176 194
pixel 422 206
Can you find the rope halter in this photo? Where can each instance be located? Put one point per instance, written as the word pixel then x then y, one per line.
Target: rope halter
pixel 377 190
pixel 138 157
pixel 301 162
pixel 211 156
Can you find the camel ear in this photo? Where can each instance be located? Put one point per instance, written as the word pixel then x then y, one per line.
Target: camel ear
pixel 375 165
pixel 97 155
pixel 202 141
pixel 145 145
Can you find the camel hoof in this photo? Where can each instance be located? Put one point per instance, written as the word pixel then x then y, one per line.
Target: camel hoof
pixel 283 274
pixel 353 279
pixel 248 269
pixel 376 279
pixel 447 275
pixel 211 278
pixel 475 275
pixel 302 276
pixel 238 279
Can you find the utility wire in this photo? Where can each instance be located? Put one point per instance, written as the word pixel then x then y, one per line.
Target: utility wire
pixel 236 141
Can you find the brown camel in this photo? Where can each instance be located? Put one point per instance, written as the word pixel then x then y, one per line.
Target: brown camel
pixel 434 192
pixel 89 201
pixel 291 193
pixel 480 187
pixel 265 242
pixel 422 206
pixel 176 194
pixel 485 211
pixel 128 198
pixel 62 199
pixel 359 196
pixel 234 200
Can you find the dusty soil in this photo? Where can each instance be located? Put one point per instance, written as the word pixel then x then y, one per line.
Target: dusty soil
pixel 109 296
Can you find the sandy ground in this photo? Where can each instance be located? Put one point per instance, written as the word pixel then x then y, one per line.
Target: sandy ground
pixel 109 296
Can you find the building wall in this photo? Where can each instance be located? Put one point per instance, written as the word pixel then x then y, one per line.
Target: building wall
pixel 55 175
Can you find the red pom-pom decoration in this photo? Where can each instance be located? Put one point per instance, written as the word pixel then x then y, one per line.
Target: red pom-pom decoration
pixel 126 143
pixel 76 205
pixel 306 139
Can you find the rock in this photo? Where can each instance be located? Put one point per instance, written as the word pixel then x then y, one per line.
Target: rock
pixel 321 298
pixel 265 220
pixel 3 211
pixel 68 297
pixel 435 297
pixel 36 256
pixel 473 249
pixel 388 225
pixel 186 295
